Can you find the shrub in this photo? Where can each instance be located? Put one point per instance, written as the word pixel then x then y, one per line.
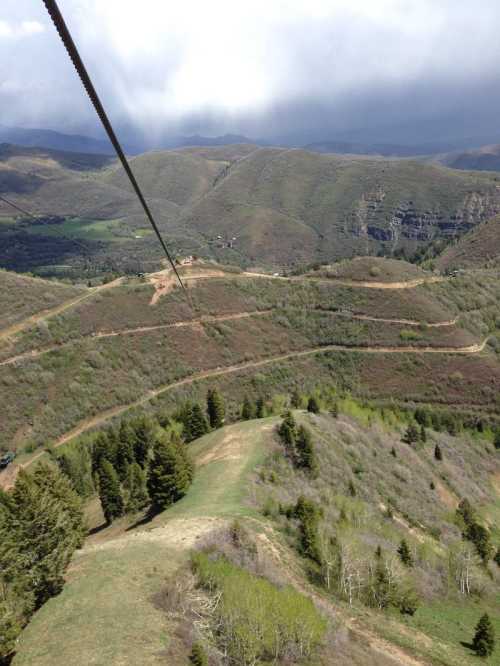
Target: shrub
pixel 257 621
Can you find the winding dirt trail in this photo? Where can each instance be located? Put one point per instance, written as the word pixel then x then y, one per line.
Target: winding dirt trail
pixel 366 284
pixel 6 481
pixel 36 353
pixel 52 312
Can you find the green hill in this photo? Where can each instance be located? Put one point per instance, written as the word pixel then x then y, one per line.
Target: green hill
pixel 478 248
pixel 260 207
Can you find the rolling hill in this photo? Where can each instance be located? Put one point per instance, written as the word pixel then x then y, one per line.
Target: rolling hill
pixel 486 158
pixel 252 206
pixel 479 247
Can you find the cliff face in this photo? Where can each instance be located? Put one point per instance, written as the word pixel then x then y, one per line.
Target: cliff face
pixel 373 219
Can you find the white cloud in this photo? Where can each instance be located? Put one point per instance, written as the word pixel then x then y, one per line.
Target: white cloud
pixel 19 30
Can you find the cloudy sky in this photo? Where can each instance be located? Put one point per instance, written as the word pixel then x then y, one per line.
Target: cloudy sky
pixel 400 70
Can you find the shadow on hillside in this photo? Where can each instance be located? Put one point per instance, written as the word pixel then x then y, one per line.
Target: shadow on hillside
pixel 143 520
pixel 96 530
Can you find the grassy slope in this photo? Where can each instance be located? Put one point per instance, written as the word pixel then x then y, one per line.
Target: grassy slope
pixel 106 614
pixel 477 248
pixel 22 296
pixel 284 206
pixel 75 381
pixel 83 375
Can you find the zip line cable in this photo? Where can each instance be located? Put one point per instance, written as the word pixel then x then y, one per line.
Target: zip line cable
pixel 65 35
pixel 21 210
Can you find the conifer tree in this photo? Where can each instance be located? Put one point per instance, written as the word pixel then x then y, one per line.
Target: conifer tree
pixel 334 411
pixel 438 455
pixel 125 454
pixel 100 451
pixel 308 514
pixel 296 400
pixel 483 642
pixel 247 412
pixel 405 554
pixel 169 474
pixel 259 408
pixel 110 492
pixel 393 452
pixel 288 432
pixel 423 434
pixel 197 425
pixel 411 435
pixel 496 440
pixel 313 405
pixel 352 489
pixel 144 429
pixel 215 408
pixel 304 450
pixel 136 486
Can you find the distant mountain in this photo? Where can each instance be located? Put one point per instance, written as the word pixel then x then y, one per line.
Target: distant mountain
pixel 486 158
pixel 383 149
pixel 225 140
pixel 43 138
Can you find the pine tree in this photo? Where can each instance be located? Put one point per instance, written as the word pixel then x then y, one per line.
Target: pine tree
pixel 288 432
pixel 136 487
pixel 480 537
pixel 109 492
pixel 296 400
pixel 198 656
pixel 411 435
pixel 215 409
pixel 308 515
pixel 423 434
pixel 466 512
pixel 313 405
pixel 259 408
pixel 405 554
pixel 247 412
pixel 125 450
pixel 496 441
pixel 378 552
pixel 483 642
pixel 144 429
pixel 169 474
pixel 304 450
pixel 352 489
pixel 197 425
pixel 393 452
pixel 422 417
pixel 438 455
pixel 100 451
pixel 41 526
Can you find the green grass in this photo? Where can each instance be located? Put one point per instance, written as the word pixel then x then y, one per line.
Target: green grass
pixel 105 614
pixel 220 487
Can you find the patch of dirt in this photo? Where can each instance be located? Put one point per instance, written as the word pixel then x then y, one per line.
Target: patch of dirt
pixel 178 533
pixel 446 496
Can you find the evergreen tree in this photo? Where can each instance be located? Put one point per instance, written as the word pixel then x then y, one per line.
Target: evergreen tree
pixel 309 515
pixel 288 432
pixel 198 656
pixel 41 525
pixel 352 489
pixel 334 411
pixel 423 434
pixel 304 450
pixel 496 440
pixel 136 486
pixel 76 464
pixel 109 492
pixel 483 642
pixel 465 512
pixel 378 552
pixel 480 537
pixel 438 455
pixel 496 559
pixel 422 417
pixel 313 405
pixel 247 412
pixel 125 454
pixel 169 473
pixel 197 425
pixel 296 399
pixel 144 428
pixel 411 435
pixel 259 408
pixel 215 409
pixel 100 451
pixel 405 554
pixel 393 452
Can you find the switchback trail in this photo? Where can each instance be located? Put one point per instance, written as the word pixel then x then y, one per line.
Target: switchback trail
pixel 102 417
pixel 35 353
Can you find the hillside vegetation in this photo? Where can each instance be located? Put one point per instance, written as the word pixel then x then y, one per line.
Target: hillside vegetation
pixel 478 248
pixel 130 344
pixel 264 207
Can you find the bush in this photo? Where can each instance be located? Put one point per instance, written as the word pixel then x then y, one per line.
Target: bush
pixel 257 621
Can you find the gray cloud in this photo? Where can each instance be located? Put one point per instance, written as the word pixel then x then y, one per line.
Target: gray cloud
pixel 401 70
